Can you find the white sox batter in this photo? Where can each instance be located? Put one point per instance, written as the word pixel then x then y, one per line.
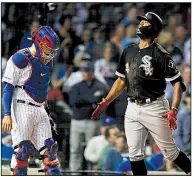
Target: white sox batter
pixel 143 68
pixel 26 80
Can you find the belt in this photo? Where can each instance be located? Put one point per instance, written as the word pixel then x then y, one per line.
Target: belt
pixel 142 101
pixel 25 102
pixel 19 86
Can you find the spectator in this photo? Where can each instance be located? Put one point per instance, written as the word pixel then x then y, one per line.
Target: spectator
pixel 186 75
pixel 69 81
pixel 173 21
pixel 68 39
pixel 93 15
pixel 110 135
pixel 27 38
pixel 180 37
pixel 60 75
pixel 105 68
pixel 80 17
pixel 86 42
pixel 130 35
pixel 98 45
pixel 53 12
pixel 130 17
pixel 188 23
pixel 84 97
pixel 166 40
pixel 118 36
pixel 97 143
pixel 117 154
pixel 187 51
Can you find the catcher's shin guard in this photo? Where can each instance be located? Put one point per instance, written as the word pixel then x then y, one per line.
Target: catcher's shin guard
pixel 20 157
pixel 49 157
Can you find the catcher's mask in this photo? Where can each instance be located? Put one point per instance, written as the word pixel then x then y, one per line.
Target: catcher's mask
pixel 46 42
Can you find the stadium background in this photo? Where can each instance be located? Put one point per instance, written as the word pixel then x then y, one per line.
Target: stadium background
pixel 88 30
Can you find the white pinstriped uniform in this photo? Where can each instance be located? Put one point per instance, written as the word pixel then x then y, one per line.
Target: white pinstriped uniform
pixel 28 122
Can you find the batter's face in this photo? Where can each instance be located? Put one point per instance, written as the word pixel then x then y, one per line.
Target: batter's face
pixel 141 24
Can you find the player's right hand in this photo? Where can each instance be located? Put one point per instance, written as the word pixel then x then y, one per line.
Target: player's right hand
pixel 7 124
pixel 102 106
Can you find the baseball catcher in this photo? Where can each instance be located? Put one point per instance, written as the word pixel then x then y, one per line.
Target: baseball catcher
pixel 26 79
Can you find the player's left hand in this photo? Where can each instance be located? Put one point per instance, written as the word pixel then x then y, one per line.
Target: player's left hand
pixel 171 116
pixel 7 124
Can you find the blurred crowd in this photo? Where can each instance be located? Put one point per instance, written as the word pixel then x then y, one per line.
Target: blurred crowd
pixel 92 37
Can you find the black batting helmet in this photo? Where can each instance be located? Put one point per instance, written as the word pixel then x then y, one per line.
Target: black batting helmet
pixel 156 24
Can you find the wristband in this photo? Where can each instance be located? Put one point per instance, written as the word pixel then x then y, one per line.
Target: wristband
pixel 106 101
pixel 7 114
pixel 176 110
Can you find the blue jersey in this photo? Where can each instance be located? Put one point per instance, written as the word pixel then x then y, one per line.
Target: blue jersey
pixel 38 83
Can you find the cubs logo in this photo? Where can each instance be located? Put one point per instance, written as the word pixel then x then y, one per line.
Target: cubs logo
pixel 147 66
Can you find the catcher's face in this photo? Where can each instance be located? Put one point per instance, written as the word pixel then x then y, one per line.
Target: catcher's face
pixel 47 53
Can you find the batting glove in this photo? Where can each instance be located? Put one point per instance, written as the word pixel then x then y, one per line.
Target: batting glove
pixel 171 116
pixel 101 108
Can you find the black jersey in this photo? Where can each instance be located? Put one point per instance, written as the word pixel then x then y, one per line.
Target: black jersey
pixel 146 70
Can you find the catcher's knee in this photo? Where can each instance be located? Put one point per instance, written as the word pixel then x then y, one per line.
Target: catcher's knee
pixel 49 157
pixel 22 152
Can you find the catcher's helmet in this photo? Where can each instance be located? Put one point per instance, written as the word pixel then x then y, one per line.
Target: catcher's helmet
pixel 46 42
pixel 156 25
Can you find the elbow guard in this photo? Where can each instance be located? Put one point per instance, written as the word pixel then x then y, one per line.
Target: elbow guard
pixel 179 79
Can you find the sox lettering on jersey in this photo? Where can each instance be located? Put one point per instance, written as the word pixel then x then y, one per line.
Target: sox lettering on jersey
pixel 147 66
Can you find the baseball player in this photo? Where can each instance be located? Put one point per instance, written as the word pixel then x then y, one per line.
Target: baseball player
pixel 26 79
pixel 143 68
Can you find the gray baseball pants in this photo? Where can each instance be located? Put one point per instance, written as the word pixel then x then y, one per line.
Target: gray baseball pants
pixel 141 119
